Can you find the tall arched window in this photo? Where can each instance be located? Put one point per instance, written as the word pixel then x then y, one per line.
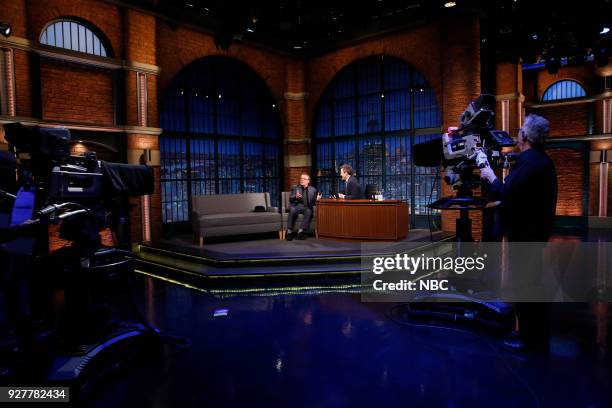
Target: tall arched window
pixel 566 89
pixel 221 135
pixel 76 36
pixel 369 117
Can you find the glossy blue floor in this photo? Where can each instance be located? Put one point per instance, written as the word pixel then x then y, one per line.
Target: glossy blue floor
pixel 319 346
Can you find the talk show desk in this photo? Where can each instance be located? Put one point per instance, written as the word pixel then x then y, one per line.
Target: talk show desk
pixel 362 220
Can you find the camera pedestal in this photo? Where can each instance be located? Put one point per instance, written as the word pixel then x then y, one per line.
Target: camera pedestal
pixel 128 343
pixel 458 306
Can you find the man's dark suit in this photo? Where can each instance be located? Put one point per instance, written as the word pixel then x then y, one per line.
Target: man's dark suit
pixel 352 189
pixel 528 197
pixel 528 203
pixel 302 205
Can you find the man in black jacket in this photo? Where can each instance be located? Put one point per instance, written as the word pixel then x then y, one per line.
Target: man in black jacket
pixel 528 198
pixel 352 188
pixel 302 200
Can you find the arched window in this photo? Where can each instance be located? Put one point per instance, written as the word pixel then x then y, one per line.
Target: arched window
pixel 566 89
pixel 222 135
pixel 369 117
pixel 76 36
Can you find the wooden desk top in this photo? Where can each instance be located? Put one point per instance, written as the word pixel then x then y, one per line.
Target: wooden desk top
pixel 344 201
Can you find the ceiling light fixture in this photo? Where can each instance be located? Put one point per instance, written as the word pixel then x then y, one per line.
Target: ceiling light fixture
pixel 450 4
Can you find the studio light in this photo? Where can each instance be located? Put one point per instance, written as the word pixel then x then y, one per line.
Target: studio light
pixel 450 4
pixel 5 29
pixel 552 64
pixel 604 31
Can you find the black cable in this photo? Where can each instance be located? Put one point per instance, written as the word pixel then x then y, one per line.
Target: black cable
pixel 390 316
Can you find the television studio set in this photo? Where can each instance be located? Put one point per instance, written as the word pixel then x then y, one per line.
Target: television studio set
pixel 293 203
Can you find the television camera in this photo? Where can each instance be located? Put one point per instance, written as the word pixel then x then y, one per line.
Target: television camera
pixel 84 196
pixel 474 144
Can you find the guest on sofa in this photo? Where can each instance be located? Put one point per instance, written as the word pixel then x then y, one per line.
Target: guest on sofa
pixel 352 188
pixel 302 200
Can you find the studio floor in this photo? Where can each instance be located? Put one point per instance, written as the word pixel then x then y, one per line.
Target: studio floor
pixel 320 346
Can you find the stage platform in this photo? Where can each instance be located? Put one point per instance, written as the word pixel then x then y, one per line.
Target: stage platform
pixel 264 257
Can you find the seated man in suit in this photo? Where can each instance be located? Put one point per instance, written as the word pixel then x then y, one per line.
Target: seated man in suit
pixel 352 189
pixel 302 200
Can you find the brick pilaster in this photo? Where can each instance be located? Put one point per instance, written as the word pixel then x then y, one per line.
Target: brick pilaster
pixel 297 141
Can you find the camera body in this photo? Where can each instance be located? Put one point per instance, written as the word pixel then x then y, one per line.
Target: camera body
pixel 474 144
pixel 46 167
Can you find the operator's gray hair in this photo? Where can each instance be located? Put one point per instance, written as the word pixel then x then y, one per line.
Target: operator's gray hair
pixel 536 129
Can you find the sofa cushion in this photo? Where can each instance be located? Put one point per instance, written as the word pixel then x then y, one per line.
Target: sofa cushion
pixel 244 218
pixel 229 203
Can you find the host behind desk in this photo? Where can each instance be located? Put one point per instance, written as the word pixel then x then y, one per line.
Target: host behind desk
pixel 363 220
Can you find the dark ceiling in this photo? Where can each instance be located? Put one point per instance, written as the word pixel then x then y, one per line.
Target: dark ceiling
pixel 528 29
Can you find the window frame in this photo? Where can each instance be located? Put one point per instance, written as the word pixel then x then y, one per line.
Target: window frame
pixel 560 81
pixel 416 82
pixel 96 33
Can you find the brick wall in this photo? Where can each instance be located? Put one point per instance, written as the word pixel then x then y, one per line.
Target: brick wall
pixel 140 37
pixel 23 83
pixel 131 102
pixel 75 93
pixel 155 216
pixel 460 45
pixel 508 86
pixel 104 16
pixel 569 165
pixel 179 46
pixel 153 119
pixel 584 75
pixel 14 12
pixel 568 120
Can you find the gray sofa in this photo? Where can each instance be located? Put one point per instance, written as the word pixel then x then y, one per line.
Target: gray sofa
pixel 233 214
pixel 285 211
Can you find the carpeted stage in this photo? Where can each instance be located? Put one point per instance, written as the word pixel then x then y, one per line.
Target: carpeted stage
pixel 266 257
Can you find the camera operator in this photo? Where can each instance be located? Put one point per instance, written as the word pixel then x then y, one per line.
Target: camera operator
pixel 528 201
